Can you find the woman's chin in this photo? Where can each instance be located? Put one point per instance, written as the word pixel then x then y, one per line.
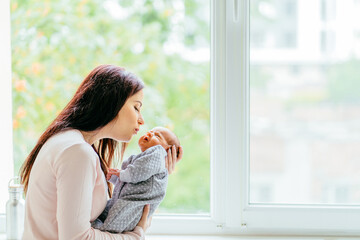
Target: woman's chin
pixel 124 139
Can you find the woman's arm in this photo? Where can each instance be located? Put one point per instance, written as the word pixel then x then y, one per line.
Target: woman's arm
pixel 75 181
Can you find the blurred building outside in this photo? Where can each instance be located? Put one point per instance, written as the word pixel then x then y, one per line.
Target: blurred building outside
pixel 304 147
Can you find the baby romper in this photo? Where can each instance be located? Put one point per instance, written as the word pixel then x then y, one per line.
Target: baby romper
pixel 143 180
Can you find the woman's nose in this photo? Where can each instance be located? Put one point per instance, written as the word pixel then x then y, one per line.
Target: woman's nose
pixel 141 120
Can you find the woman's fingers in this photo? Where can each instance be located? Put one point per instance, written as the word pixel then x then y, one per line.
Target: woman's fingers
pixel 174 158
pixel 170 161
pixel 146 212
pixel 143 223
pixel 149 222
pixel 167 163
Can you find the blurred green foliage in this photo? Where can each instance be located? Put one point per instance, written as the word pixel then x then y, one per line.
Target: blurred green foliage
pixel 55 44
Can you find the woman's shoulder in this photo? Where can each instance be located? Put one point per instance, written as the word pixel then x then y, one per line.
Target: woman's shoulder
pixel 69 142
pixel 66 138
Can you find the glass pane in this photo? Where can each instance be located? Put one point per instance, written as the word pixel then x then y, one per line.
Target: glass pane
pixel 305 102
pixel 56 43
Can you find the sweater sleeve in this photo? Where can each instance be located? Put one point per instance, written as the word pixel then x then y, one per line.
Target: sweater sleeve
pixel 75 171
pixel 144 165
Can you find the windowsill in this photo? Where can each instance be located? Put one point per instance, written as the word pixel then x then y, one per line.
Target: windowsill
pixel 187 237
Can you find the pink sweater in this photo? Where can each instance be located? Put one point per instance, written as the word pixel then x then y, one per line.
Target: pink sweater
pixel 67 190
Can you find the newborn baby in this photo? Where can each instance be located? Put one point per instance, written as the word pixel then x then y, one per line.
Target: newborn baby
pixel 142 180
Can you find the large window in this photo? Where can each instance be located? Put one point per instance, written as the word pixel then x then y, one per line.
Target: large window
pixel 268 118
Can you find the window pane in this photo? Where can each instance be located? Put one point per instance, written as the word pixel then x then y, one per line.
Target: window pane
pixel 56 43
pixel 304 102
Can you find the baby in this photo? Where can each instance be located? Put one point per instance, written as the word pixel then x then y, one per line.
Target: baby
pixel 142 180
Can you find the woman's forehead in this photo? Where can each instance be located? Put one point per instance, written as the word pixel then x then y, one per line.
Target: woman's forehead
pixel 137 96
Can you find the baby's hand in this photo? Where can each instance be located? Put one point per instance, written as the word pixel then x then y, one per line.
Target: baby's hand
pixel 111 172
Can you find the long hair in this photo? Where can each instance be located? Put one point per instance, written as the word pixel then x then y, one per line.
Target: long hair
pixel 96 102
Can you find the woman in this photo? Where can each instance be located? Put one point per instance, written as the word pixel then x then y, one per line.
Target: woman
pixel 64 175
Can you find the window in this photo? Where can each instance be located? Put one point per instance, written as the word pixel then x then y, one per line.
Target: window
pixel 284 113
pixel 328 10
pixel 327 41
pixel 275 24
pixel 303 140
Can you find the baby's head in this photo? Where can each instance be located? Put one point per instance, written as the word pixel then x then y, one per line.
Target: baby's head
pixel 159 136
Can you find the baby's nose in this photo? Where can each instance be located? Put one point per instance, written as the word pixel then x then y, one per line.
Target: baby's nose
pixel 149 134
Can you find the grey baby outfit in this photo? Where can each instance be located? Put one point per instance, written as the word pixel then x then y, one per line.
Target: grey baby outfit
pixel 143 180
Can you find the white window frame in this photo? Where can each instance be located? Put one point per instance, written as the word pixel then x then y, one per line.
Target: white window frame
pixel 6 150
pixel 230 211
pixel 228 124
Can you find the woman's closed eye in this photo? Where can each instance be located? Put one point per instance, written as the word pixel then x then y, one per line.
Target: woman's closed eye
pixel 137 109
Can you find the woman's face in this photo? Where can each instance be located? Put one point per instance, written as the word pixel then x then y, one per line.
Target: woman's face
pixel 127 122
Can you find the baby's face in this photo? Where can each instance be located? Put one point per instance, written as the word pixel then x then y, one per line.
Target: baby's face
pixel 157 136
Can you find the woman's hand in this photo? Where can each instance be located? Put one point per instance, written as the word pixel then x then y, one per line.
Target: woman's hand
pixel 112 172
pixel 144 222
pixel 171 159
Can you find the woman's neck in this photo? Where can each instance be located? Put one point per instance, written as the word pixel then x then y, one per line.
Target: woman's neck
pixel 91 137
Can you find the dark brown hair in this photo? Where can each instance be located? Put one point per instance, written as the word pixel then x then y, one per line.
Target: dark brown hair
pixel 96 102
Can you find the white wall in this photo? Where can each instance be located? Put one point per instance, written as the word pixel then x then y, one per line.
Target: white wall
pixel 6 149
